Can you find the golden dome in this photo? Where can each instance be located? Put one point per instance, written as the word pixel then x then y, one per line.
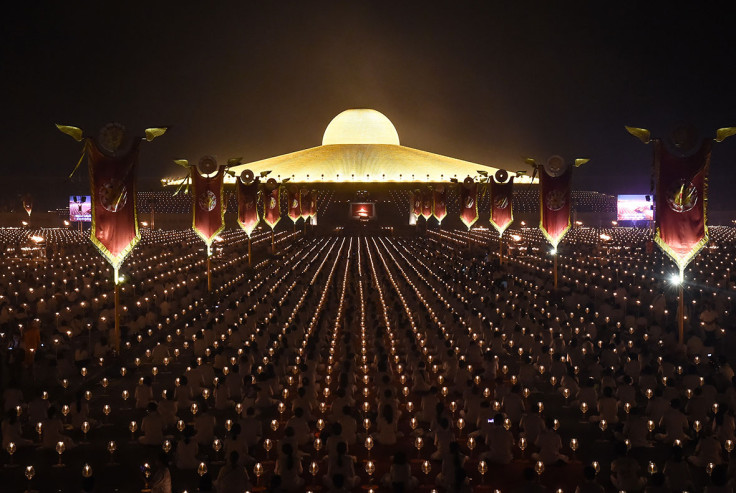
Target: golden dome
pixel 360 126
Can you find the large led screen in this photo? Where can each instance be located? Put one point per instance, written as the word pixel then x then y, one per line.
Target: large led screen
pixel 80 208
pixel 634 208
pixel 362 210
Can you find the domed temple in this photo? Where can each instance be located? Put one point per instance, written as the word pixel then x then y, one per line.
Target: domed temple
pixel 362 146
pixel 362 164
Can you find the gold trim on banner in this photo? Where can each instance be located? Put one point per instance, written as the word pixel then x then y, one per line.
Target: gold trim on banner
pixel 255 224
pixel 288 209
pixel 499 229
pixel 223 206
pixel 683 262
pixel 434 212
pixel 477 214
pixel 114 261
pixel 434 202
pixel 546 234
pixel 278 202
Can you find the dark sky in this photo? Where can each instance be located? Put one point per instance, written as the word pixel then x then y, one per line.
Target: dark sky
pixel 486 81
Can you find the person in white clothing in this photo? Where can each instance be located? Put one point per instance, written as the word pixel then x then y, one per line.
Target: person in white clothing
pixel 161 479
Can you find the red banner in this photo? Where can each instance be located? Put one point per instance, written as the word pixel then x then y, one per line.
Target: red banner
pixel 502 214
pixel 469 204
pixel 312 203
pixel 295 203
pixel 427 204
pixel 114 215
pixel 554 208
pixel 28 203
pixel 306 198
pixel 439 203
pixel 272 207
pixel 416 203
pixel 681 201
pixel 248 217
pixel 207 204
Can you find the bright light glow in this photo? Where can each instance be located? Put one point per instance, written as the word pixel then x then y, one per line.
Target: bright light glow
pixel 633 208
pixel 516 237
pixel 362 146
pixel 605 237
pixel 676 279
pixel 37 239
pixel 360 126
pixel 553 251
pixel 80 208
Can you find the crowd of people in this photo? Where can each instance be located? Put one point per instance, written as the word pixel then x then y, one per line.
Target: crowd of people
pixel 356 363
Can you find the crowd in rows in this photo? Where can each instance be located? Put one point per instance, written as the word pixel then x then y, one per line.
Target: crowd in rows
pixel 393 363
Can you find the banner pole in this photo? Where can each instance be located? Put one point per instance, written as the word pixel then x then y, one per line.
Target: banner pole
pixel 500 249
pixel 117 311
pixel 273 243
pixel 555 268
pixel 681 311
pixel 209 273
pixel 249 252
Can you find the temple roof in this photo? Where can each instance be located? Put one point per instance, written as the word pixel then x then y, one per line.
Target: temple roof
pixel 362 146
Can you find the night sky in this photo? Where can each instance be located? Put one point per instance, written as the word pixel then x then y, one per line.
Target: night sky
pixel 490 82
